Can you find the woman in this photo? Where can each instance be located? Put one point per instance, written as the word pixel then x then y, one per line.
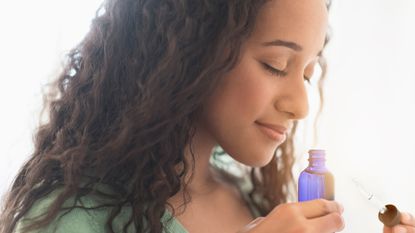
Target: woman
pixel 145 98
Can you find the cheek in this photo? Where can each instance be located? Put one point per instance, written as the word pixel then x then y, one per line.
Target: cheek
pixel 243 95
pixel 245 92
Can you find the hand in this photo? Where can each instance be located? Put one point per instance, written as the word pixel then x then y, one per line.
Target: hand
pixel 316 216
pixel 407 225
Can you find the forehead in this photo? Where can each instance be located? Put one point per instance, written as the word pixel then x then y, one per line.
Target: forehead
pixel 301 21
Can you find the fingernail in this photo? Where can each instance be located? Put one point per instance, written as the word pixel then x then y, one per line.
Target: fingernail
pixel 257 220
pixel 407 218
pixel 411 217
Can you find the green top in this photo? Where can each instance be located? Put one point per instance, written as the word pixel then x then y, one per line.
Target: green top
pixel 94 220
pixel 86 221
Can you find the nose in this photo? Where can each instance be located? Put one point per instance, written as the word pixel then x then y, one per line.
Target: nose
pixel 292 98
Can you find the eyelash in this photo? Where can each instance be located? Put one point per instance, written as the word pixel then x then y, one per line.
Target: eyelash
pixel 280 73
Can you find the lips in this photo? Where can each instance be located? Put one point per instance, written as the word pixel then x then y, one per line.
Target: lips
pixel 278 128
pixel 273 131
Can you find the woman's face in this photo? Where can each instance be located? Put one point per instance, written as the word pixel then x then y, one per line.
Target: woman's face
pixel 266 89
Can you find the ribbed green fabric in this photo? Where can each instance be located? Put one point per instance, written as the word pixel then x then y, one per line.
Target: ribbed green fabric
pixel 86 221
pixel 94 220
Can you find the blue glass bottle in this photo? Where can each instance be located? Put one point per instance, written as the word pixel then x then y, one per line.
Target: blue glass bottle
pixel 316 181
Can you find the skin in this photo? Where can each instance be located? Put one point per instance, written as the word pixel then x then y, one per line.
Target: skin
pixel 407 225
pixel 251 93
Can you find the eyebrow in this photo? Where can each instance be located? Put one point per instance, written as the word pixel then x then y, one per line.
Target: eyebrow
pixel 289 44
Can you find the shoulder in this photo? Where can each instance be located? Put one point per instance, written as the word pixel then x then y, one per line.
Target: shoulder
pixel 76 220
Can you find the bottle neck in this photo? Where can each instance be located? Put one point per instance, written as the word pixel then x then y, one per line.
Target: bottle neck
pixel 317 161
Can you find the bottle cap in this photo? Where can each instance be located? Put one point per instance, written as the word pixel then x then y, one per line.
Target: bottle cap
pixel 391 216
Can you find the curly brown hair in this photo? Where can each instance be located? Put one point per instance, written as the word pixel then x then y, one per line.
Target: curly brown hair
pixel 122 109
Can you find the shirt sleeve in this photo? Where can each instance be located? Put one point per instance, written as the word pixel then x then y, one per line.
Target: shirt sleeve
pixel 77 220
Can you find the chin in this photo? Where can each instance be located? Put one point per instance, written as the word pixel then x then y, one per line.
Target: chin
pixel 262 163
pixel 260 160
pixel 253 155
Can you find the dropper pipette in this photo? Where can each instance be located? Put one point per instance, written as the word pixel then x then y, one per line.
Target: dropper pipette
pixel 389 215
pixel 370 196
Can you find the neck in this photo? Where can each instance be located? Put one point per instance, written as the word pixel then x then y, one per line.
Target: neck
pixel 202 179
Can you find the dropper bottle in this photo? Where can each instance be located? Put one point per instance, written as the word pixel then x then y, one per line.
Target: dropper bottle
pixel 316 181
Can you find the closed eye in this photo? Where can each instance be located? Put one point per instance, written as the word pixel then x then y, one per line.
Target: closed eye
pixel 280 73
pixel 274 71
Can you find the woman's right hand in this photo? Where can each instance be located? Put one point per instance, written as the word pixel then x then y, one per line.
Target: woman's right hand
pixel 316 216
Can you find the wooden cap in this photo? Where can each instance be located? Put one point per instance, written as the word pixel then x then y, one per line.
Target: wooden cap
pixel 391 216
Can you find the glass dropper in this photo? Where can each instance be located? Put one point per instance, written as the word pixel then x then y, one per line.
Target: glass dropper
pixel 370 197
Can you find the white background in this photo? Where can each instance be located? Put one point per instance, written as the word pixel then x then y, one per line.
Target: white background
pixel 367 125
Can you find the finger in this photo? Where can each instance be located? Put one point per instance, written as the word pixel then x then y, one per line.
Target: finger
pixel 410 229
pixel 332 222
pixel 319 207
pixel 400 229
pixel 395 229
pixel 387 229
pixel 407 219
